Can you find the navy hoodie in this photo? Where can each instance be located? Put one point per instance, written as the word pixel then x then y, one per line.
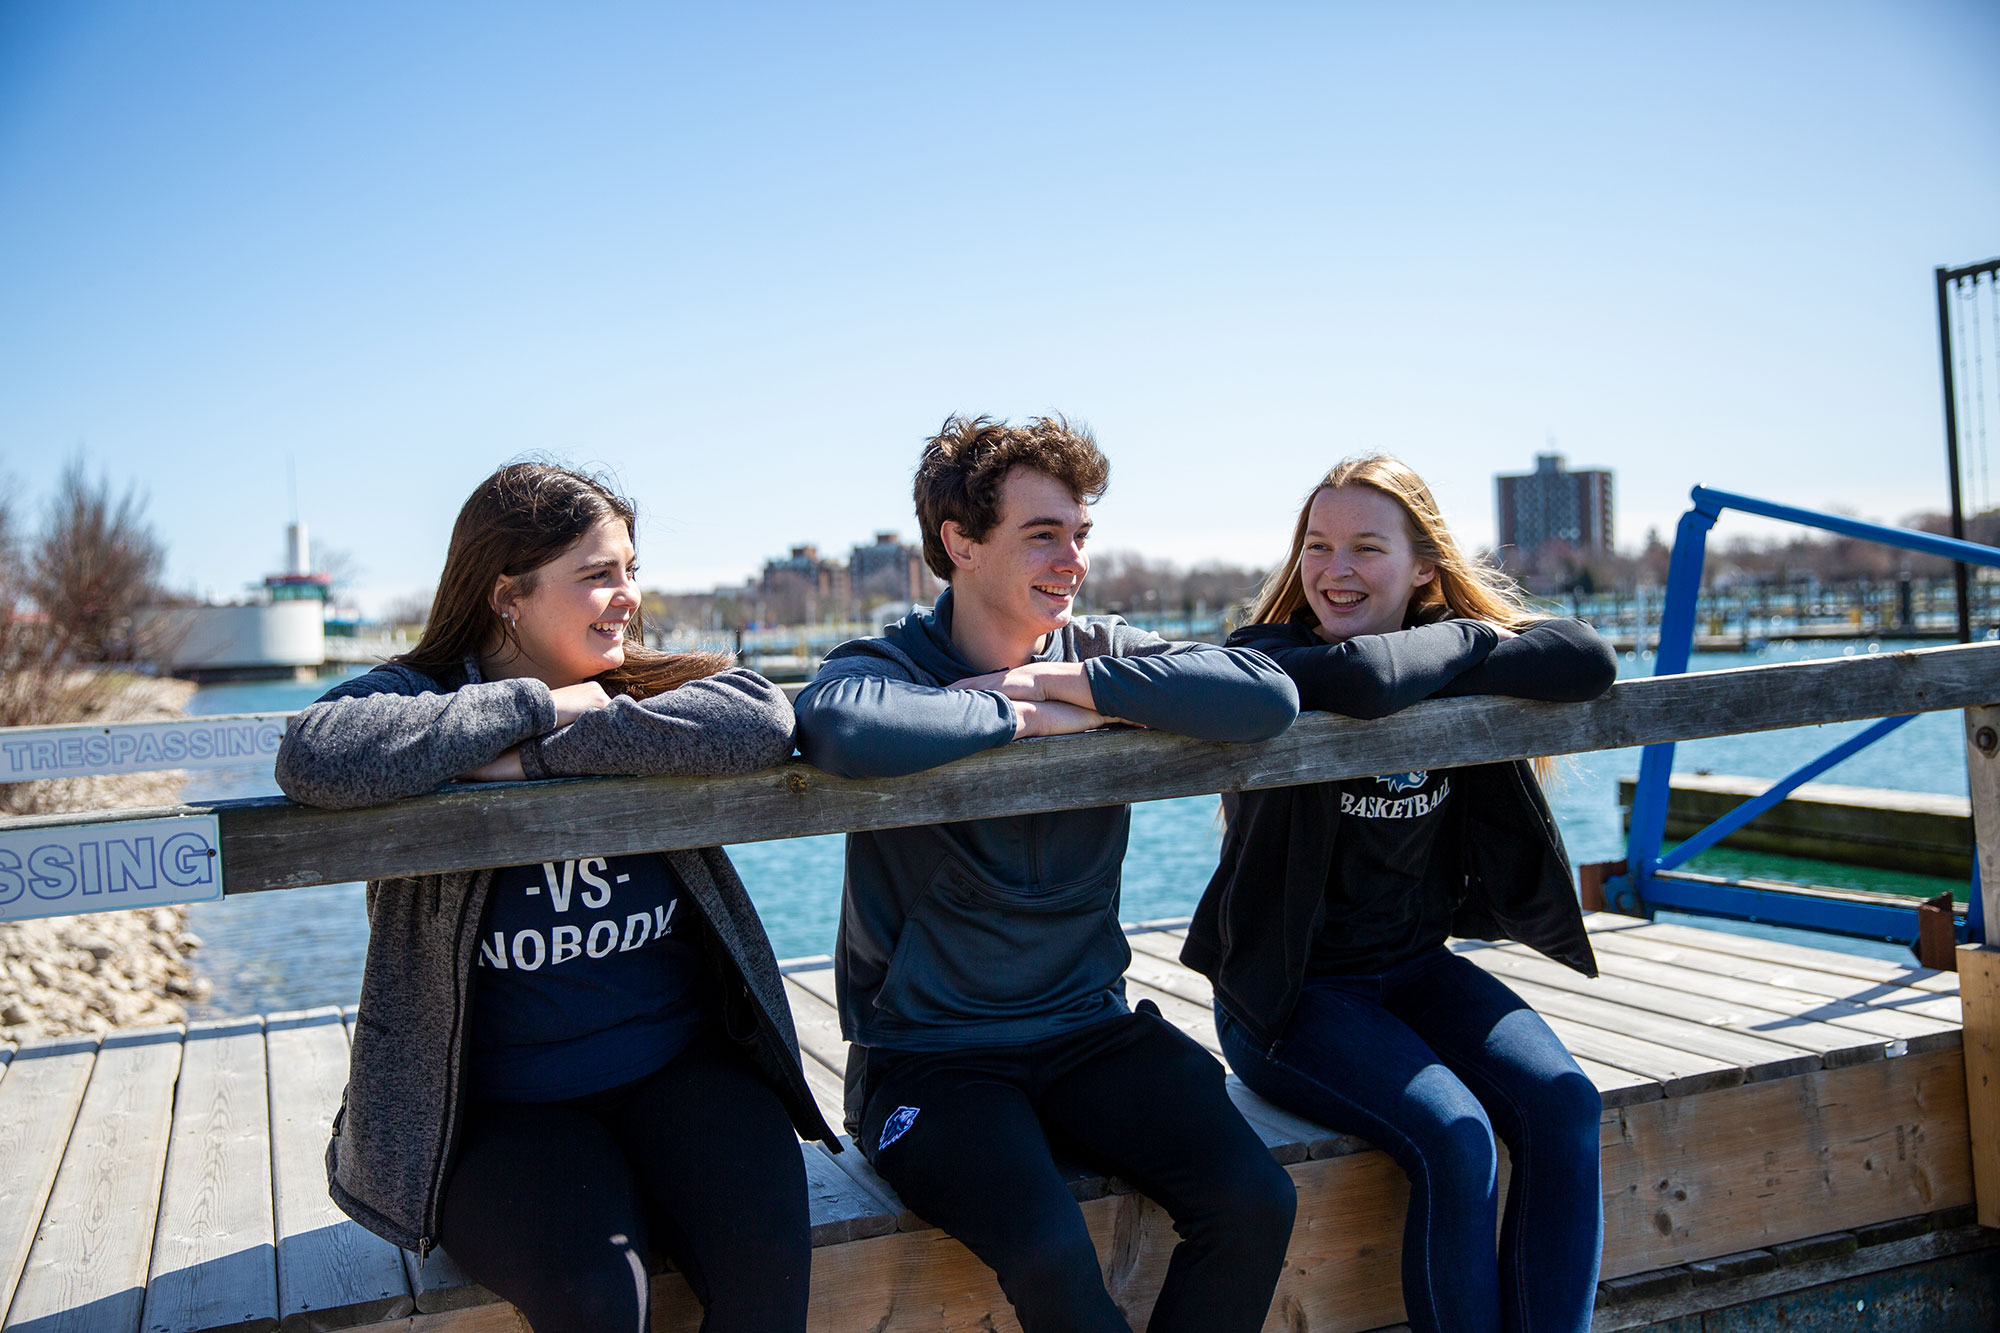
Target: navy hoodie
pixel 999 932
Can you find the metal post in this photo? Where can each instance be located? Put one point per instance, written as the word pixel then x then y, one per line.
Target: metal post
pixel 1656 765
pixel 1960 580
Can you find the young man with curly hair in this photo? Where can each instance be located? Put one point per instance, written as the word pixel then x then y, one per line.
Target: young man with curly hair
pixel 980 963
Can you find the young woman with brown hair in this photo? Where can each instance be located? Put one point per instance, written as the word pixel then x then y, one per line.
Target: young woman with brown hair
pixel 1324 927
pixel 558 1066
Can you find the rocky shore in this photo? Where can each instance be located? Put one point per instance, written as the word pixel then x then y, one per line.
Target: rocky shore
pixel 67 975
pixel 74 974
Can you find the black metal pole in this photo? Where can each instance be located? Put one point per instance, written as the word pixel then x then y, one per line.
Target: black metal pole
pixel 1959 574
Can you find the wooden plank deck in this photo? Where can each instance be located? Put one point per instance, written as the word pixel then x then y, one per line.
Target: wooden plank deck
pixel 1754 1094
pixel 215 1266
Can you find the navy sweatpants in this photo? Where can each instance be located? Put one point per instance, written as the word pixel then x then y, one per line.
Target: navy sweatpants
pixel 965 1137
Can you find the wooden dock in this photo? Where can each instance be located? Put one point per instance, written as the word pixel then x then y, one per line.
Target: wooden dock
pixel 1755 1095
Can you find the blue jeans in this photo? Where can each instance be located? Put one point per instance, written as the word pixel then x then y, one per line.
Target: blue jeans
pixel 1428 1061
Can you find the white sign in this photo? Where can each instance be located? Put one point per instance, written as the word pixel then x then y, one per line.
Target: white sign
pixel 58 870
pixel 81 750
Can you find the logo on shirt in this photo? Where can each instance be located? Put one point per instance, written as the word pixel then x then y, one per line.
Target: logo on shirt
pixel 599 931
pixel 1404 781
pixel 1381 807
pixel 897 1125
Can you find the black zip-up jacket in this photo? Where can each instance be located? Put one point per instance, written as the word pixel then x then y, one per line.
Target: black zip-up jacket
pixel 396 732
pixel 1253 931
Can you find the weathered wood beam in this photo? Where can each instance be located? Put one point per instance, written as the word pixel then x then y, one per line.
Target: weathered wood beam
pixel 273 844
pixel 1979 965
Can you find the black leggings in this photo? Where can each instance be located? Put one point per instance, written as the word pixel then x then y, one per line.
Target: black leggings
pixel 968 1148
pixel 553 1204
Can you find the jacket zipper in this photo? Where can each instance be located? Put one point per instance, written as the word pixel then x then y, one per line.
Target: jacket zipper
pixel 426 1243
pixel 762 1020
pixel 1033 847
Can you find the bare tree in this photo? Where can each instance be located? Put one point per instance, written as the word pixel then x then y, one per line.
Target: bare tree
pixel 63 610
pixel 410 611
pixel 1214 587
pixel 1130 583
pixel 340 566
pixel 94 568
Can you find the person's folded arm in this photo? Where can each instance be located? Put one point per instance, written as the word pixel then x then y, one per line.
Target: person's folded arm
pixel 391 734
pixel 731 722
pixel 1373 675
pixel 1560 660
pixel 1192 689
pixel 864 717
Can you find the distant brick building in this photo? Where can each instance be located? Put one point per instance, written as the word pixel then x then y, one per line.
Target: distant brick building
pixel 1553 504
pixel 889 570
pixel 802 588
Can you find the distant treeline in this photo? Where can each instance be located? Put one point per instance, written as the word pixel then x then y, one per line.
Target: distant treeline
pixel 1134 584
pixel 1124 582
pixel 1555 568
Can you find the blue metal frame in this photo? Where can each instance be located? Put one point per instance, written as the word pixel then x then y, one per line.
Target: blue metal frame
pixel 1750 809
pixel 1647 883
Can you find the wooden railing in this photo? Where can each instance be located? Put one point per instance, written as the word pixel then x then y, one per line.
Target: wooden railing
pixel 274 844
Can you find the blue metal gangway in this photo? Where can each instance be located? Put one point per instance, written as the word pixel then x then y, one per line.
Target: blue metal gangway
pixel 1649 881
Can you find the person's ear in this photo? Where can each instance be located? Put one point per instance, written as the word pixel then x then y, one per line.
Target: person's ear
pixel 962 549
pixel 505 599
pixel 1426 571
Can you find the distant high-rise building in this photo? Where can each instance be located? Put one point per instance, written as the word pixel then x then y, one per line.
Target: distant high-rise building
pixel 1553 504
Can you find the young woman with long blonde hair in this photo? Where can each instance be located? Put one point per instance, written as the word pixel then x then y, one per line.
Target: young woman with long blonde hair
pixel 1324 927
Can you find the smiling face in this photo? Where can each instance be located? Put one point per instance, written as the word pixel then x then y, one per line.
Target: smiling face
pixel 1018 583
pixel 569 625
pixel 1358 566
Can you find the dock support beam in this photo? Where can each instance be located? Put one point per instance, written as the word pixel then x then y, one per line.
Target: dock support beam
pixel 1979 965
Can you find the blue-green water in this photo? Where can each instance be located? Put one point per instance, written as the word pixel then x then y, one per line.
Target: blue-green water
pixel 286 950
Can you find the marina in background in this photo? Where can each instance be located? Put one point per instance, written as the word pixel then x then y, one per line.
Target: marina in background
pixel 292 629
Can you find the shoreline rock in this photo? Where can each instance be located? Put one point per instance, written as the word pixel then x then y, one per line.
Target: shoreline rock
pixel 71 975
pixel 84 975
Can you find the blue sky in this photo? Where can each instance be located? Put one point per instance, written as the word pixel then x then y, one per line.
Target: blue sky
pixel 750 258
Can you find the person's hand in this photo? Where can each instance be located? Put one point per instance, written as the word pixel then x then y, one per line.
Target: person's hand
pixel 1047 717
pixel 573 701
pixel 1059 682
pixel 503 767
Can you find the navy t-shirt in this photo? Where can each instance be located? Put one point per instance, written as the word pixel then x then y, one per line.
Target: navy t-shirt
pixel 1389 896
pixel 589 975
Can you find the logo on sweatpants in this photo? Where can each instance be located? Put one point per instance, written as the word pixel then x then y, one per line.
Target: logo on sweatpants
pixel 897 1125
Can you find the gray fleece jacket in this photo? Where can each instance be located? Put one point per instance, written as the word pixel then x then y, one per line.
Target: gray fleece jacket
pixel 396 732
pixel 1005 931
